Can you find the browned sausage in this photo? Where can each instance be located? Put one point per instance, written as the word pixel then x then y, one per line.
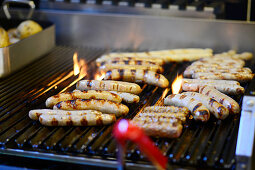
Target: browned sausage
pixel 109 86
pixel 241 77
pixel 166 109
pixel 35 114
pixel 226 101
pixel 161 117
pixel 77 94
pixel 71 120
pixel 104 106
pixel 198 110
pixel 137 75
pixel 231 89
pixel 160 129
pixel 155 68
pixel 217 109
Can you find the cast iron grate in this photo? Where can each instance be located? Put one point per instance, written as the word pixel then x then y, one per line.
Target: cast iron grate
pixel 200 145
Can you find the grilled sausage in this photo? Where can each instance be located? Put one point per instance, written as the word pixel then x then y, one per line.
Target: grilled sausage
pixel 226 101
pixel 127 97
pixel 162 116
pixel 231 89
pixel 221 60
pixel 128 55
pixel 191 70
pixel 217 109
pixel 241 77
pixel 217 64
pixel 244 56
pixel 130 59
pixel 35 114
pixel 104 106
pixel 137 75
pixel 109 86
pixel 71 120
pixel 198 110
pixel 77 94
pixel 128 62
pixel 184 57
pixel 155 68
pixel 182 51
pixel 160 129
pixel 166 109
pixel 209 81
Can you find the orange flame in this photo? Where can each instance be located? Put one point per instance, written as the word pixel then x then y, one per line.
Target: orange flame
pixel 76 66
pixel 176 85
pixel 79 67
pixel 100 75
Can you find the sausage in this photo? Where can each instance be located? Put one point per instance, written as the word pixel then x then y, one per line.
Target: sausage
pixel 128 55
pixel 182 51
pixel 191 70
pixel 71 120
pixel 198 110
pixel 226 101
pixel 231 89
pixel 162 116
pixel 221 60
pixel 128 62
pixel 137 75
pixel 217 64
pixel 35 114
pixel 86 94
pixel 244 56
pixel 104 59
pixel 160 129
pixel 184 57
pixel 157 118
pixel 166 109
pixel 155 68
pixel 241 77
pixel 109 86
pixel 104 106
pixel 217 109
pixel 127 97
pixel 209 81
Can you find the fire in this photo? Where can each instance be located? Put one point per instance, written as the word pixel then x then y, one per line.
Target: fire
pixel 176 86
pixel 79 66
pixel 100 75
pixel 76 66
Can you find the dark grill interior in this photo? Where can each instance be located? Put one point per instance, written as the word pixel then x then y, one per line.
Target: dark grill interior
pixel 201 145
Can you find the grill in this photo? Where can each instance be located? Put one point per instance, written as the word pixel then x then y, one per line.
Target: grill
pixel 210 145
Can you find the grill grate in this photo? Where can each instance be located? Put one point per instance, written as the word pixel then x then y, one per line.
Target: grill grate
pixel 201 145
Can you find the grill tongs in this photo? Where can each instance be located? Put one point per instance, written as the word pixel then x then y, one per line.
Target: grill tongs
pixel 124 131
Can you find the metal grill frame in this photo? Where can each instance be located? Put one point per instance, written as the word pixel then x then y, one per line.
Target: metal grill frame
pixel 100 158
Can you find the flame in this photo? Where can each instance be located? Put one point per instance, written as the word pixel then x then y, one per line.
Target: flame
pixel 79 67
pixel 177 83
pixel 100 75
pixel 76 66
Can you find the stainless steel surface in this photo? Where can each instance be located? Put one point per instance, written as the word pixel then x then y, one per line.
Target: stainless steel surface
pixel 246 132
pixel 25 51
pixel 73 159
pixel 124 8
pixel 6 4
pixel 147 32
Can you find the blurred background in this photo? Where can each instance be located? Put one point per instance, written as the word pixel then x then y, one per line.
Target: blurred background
pixel 219 9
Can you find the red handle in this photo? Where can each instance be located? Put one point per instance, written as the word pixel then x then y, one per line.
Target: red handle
pixel 124 130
